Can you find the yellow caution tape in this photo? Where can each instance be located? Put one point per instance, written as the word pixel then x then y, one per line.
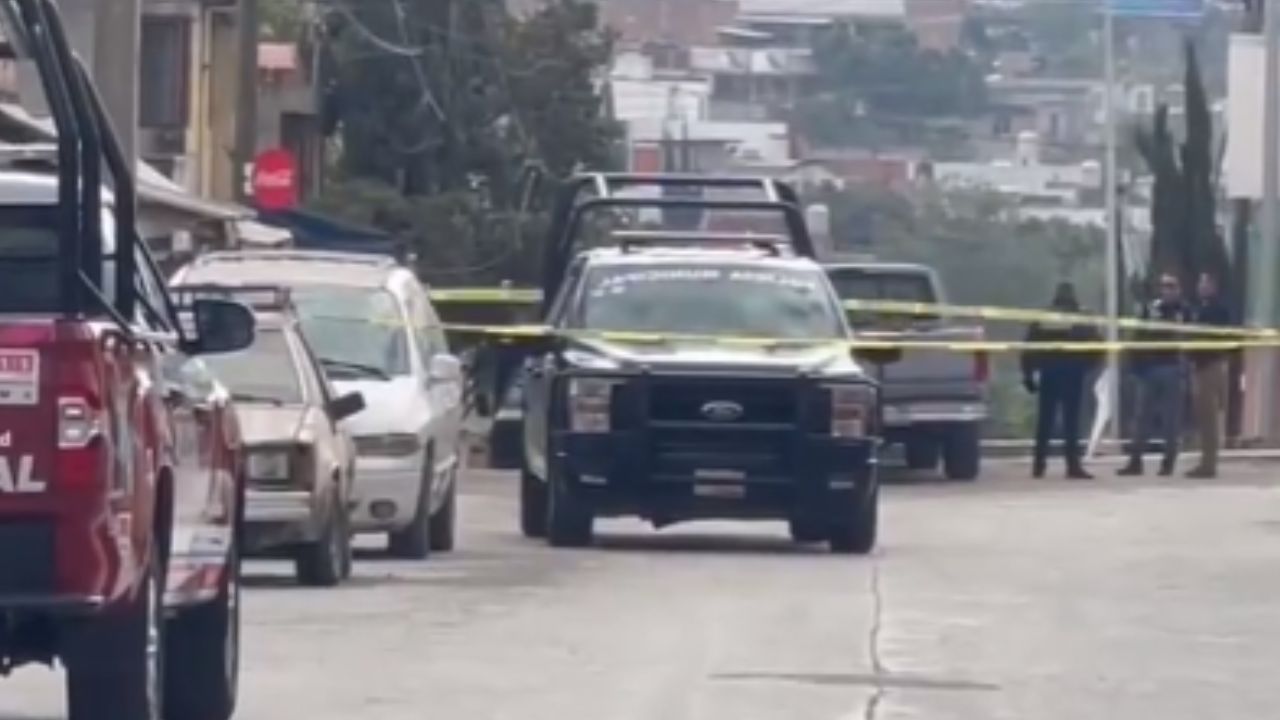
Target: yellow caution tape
pixel 524 332
pixel 984 312
pixel 894 307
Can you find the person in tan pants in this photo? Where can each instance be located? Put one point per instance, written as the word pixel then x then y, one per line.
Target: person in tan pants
pixel 1209 382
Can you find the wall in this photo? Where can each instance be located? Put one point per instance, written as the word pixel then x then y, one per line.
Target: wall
pixel 221 81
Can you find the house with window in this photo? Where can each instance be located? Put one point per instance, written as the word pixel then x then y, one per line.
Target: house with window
pixel 190 69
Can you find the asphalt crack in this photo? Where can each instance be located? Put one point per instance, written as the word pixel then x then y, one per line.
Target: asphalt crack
pixel 878 669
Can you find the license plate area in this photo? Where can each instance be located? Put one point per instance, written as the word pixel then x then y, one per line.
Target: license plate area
pixel 720 491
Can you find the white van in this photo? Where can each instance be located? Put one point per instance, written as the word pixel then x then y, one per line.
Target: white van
pixel 373 327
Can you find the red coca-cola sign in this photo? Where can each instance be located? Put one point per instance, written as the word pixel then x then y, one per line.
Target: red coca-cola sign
pixel 275 180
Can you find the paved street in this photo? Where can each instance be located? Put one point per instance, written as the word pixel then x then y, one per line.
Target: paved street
pixel 1010 599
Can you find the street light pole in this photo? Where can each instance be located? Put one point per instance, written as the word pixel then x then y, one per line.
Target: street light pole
pixel 1113 225
pixel 1265 306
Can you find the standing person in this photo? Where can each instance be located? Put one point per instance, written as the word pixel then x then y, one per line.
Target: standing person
pixel 1209 381
pixel 1059 380
pixel 1159 375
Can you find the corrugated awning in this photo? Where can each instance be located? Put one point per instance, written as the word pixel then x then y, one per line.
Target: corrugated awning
pixel 259 235
pixel 153 187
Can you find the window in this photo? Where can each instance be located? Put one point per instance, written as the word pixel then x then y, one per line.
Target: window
pixel 702 299
pixel 265 372
pixel 357 333
pixel 165 72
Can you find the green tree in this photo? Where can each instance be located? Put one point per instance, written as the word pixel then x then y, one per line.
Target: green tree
pixel 1185 237
pixel 444 102
pixel 873 85
pixel 281 19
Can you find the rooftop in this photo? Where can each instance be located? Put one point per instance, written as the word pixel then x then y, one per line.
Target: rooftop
pixel 291 267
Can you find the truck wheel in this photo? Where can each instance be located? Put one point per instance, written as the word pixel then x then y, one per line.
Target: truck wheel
pixel 202 659
pixel 326 562
pixel 444 522
pixel 922 454
pixel 855 532
pixel 533 505
pixel 962 454
pixel 115 662
pixel 414 542
pixel 569 523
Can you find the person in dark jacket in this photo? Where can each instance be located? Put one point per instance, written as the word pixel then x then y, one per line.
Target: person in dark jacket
pixel 1160 380
pixel 1209 379
pixel 1059 378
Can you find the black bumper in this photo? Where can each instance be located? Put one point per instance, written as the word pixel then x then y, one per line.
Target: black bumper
pixel 634 473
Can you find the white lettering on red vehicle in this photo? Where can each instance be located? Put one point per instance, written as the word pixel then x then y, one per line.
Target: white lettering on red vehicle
pixel 20 479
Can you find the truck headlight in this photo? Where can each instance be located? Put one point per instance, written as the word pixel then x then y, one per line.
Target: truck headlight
pixel 853 410
pixel 590 404
pixel 269 465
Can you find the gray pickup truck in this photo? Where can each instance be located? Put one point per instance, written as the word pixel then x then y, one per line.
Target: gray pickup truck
pixel 935 401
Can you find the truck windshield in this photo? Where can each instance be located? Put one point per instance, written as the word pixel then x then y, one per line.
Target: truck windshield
pixel 358 333
pixel 265 372
pixel 710 300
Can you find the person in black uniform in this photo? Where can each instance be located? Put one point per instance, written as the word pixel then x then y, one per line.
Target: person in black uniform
pixel 1059 380
pixel 1159 374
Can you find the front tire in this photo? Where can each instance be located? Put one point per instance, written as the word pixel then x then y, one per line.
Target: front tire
pixel 533 506
pixel 854 533
pixel 202 661
pixel 570 524
pixel 327 562
pixel 962 453
pixel 414 541
pixel 444 524
pixel 115 661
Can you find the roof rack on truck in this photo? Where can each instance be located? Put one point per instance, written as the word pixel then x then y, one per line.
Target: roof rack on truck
pixel 259 298
pixel 590 192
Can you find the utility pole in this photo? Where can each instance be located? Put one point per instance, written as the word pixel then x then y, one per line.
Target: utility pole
pixel 106 36
pixel 247 102
pixel 1265 307
pixel 1111 186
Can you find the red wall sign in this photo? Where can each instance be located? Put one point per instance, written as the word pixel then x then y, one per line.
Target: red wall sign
pixel 275 180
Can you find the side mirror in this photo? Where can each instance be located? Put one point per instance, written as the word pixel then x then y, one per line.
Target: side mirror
pixel 341 408
pixel 877 356
pixel 221 326
pixel 445 368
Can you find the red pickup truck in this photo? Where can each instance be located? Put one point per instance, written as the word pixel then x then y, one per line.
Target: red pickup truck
pixel 120 479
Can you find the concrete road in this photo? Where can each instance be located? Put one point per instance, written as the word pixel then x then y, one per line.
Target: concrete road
pixel 1011 599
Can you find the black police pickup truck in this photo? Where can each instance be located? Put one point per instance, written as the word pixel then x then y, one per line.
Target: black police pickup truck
pixel 695 375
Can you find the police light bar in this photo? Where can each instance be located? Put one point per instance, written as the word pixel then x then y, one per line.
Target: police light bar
pixel 262 298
